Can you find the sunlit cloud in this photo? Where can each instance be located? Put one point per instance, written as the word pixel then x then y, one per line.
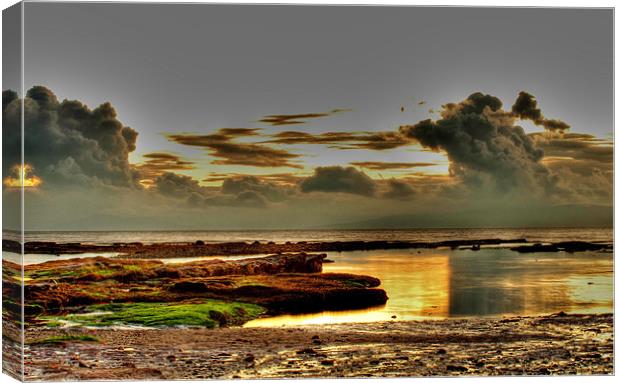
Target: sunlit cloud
pixel 221 145
pixel 382 140
pixel 296 119
pixel 376 165
pixel 158 163
pixel 285 179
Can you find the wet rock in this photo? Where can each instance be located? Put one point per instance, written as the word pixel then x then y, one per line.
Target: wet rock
pixel 543 371
pixel 452 367
pixel 199 248
pixel 249 358
pixel 218 317
pixel 569 246
pixel 306 351
pixel 188 286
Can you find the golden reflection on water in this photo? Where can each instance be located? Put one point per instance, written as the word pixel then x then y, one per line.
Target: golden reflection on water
pixel 416 290
pixel 438 284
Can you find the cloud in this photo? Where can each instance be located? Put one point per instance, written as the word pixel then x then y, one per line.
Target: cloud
pixel 375 165
pixel 245 191
pixel 222 146
pixel 380 141
pixel 398 189
pixel 294 137
pixel 296 119
pixel 66 142
pixel 239 132
pixel 267 190
pixel 338 179
pixel 284 179
pixel 179 186
pixel 576 146
pixel 482 147
pixel 343 140
pixel 581 163
pixel 526 108
pixel 158 163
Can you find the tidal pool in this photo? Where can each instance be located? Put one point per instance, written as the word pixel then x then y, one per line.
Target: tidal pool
pixel 444 283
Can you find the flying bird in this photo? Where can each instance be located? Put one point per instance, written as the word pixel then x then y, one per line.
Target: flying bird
pixel 422 102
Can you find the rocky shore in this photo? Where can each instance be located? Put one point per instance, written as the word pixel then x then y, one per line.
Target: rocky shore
pixel 569 246
pixel 231 291
pixel 137 317
pixel 200 248
pixel 549 345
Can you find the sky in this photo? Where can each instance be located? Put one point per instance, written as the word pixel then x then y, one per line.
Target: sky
pixel 238 116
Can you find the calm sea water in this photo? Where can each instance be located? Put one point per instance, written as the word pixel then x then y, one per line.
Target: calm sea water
pixel 424 235
pixel 443 283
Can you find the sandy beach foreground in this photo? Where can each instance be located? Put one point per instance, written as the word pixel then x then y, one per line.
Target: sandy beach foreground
pixel 557 344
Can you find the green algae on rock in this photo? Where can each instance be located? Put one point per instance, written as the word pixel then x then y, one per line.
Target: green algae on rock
pixel 207 313
pixel 62 339
pixel 212 293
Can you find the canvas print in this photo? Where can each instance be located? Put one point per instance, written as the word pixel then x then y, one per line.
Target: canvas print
pixel 221 191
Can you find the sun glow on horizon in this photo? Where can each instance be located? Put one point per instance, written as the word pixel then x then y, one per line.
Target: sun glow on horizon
pixel 22 176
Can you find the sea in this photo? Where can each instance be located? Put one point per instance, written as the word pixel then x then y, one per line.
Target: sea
pixel 280 236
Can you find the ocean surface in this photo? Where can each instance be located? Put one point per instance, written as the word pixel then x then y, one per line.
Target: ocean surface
pixel 423 283
pixel 279 236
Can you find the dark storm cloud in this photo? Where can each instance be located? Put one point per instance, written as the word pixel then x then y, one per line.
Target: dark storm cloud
pixel 221 145
pixel 8 96
pixel 376 165
pixel 68 142
pixel 337 179
pixel 398 189
pixel 382 140
pixel 296 119
pixel 526 108
pixel 480 145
